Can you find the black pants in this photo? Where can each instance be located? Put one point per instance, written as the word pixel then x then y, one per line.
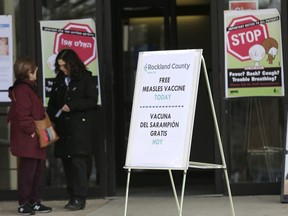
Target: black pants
pixel 76 175
pixel 30 174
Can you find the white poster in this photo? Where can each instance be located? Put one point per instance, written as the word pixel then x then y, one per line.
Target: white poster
pixel 163 109
pixel 6 57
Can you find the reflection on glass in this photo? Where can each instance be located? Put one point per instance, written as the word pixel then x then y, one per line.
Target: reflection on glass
pixel 8 163
pixel 70 9
pixel 144 34
pixel 191 2
pixel 255 139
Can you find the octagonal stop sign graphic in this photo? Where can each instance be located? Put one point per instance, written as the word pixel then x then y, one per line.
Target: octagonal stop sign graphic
pixel 243 33
pixel 80 38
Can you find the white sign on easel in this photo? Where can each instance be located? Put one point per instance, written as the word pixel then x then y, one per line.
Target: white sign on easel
pixel 163 109
pixel 163 116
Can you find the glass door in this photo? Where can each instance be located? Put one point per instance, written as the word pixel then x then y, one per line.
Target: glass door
pixel 255 137
pixel 143 25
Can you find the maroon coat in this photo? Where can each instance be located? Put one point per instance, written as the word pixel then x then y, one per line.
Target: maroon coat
pixel 25 108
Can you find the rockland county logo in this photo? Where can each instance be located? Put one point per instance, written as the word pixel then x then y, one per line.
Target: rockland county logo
pixel 151 68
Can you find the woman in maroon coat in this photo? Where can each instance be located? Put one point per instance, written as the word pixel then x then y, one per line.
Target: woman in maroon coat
pixel 26 107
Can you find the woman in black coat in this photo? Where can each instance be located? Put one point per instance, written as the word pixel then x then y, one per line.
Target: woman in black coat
pixel 72 103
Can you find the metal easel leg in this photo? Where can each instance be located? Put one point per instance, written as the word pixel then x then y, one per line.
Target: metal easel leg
pixel 174 190
pixel 127 191
pixel 182 194
pixel 218 135
pixel 180 207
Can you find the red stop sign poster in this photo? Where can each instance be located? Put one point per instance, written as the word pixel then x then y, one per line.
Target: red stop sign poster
pixel 253 53
pixel 244 32
pixel 79 37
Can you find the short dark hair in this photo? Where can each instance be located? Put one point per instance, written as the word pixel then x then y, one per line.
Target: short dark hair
pixel 23 66
pixel 73 62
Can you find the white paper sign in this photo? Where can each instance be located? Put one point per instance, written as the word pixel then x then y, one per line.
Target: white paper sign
pixel 163 109
pixel 6 57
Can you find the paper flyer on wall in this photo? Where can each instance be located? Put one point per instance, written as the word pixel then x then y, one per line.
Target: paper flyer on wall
pixel 253 53
pixel 6 57
pixel 79 35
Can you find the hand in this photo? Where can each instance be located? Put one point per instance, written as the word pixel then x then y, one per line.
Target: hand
pixel 33 135
pixel 65 108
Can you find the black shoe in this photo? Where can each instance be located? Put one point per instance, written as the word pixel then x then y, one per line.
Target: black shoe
pixel 38 207
pixel 76 204
pixel 25 210
pixel 69 203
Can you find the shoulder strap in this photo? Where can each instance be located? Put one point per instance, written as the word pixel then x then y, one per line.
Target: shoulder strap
pixel 13 95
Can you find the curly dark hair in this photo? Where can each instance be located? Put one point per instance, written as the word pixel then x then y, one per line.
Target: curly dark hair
pixel 73 63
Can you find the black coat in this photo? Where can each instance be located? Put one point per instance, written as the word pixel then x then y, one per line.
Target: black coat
pixel 75 128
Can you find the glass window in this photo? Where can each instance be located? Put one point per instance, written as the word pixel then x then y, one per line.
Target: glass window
pixel 255 131
pixel 140 34
pixel 70 9
pixel 63 10
pixel 187 26
pixel 8 163
pixel 191 2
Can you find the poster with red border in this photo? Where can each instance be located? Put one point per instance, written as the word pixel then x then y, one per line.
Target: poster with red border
pixel 253 53
pixel 79 35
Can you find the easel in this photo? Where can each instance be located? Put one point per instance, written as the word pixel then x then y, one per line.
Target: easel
pixel 192 164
